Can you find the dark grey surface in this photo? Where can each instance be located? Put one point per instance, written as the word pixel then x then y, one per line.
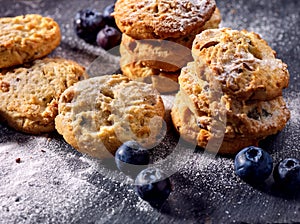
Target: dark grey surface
pixel 55 184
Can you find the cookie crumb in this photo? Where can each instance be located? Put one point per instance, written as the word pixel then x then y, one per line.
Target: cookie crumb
pixel 18 160
pixel 42 150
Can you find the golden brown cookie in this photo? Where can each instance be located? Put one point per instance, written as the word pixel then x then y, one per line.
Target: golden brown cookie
pixel 157 54
pixel 242 62
pixel 149 19
pixel 98 114
pixel 213 140
pixel 163 81
pixel 25 38
pixel 29 94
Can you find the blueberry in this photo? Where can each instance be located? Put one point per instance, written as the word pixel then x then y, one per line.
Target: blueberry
pixel 153 186
pixel 287 174
pixel 109 19
pixel 131 158
pixel 253 164
pixel 108 37
pixel 87 24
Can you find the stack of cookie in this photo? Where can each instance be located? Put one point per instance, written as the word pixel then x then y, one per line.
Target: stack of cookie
pixel 158 35
pixel 30 85
pixel 231 94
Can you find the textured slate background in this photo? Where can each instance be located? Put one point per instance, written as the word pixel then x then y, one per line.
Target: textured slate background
pixel 55 184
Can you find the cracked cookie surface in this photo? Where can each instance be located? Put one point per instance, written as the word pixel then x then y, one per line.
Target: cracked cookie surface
pixel 97 115
pixel 213 139
pixel 29 94
pixel 242 62
pixel 161 19
pixel 26 38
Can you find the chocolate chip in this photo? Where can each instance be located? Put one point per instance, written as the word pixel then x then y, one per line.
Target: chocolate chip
pixel 18 160
pixel 209 44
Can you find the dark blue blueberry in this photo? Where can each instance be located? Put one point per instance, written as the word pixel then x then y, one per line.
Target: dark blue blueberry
pixel 108 37
pixel 131 158
pixel 287 174
pixel 253 164
pixel 153 186
pixel 87 24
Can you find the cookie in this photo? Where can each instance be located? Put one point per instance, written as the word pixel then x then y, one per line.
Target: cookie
pixel 157 54
pixel 213 140
pixel 98 114
pixel 164 82
pixel 241 62
pixel 162 19
pixel 25 38
pixel 257 119
pixel 29 94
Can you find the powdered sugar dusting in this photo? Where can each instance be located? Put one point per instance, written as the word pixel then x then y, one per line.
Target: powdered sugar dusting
pixel 163 18
pixel 185 13
pixel 57 184
pixel 293 103
pixel 290 135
